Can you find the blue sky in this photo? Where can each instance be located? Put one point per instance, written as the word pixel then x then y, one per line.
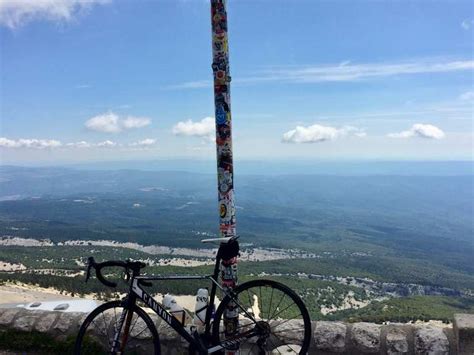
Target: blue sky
pixel 121 79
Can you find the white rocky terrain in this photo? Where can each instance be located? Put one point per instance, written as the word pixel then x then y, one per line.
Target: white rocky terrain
pixel 246 254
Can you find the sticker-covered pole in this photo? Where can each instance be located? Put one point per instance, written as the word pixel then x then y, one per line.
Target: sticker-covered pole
pixel 225 168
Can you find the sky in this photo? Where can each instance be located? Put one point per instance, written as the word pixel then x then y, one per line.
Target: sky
pixel 120 79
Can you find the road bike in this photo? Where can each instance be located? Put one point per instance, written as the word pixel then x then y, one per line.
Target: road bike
pixel 272 318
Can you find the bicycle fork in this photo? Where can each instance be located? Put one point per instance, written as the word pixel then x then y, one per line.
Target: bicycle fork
pixel 118 345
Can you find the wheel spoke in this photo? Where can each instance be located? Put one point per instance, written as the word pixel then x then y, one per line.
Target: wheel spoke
pixel 274 347
pixel 250 302
pixel 278 305
pixel 136 320
pixel 285 321
pixel 284 309
pixel 240 327
pixel 274 314
pixel 141 331
pixel 115 317
pixel 107 315
pixel 136 338
pixel 287 330
pixel 106 328
pixel 103 332
pixel 283 343
pixel 270 306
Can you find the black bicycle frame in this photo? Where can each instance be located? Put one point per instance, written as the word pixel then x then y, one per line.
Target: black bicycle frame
pixel 137 292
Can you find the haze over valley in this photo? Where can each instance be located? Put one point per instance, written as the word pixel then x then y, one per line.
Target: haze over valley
pixel 394 243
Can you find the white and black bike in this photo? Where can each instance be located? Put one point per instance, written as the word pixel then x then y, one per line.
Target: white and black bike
pixel 272 318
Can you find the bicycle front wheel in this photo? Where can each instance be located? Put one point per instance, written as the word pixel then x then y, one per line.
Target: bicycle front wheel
pixel 275 313
pixel 138 334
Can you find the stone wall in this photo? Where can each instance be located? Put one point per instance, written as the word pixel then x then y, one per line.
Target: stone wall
pixel 328 337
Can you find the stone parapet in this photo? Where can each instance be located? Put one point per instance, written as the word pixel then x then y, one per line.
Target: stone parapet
pixel 328 337
pixel 464 331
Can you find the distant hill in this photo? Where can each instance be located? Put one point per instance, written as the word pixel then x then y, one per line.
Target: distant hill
pixel 285 167
pixel 421 216
pixel 396 228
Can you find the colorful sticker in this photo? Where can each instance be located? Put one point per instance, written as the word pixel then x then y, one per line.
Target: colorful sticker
pixel 223 210
pixel 225 181
pixel 221 115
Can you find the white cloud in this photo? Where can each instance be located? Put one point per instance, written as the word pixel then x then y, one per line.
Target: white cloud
pixel 198 84
pixel 353 72
pixel 135 122
pixel 7 143
pixel 467 96
pixel 29 143
pixel 106 144
pixel 107 122
pixel 81 144
pixel 318 133
pixel 52 143
pixel 111 123
pixel 420 130
pixel 16 13
pixel 342 72
pixel 148 142
pixel 204 128
pixel 84 144
pixel 467 24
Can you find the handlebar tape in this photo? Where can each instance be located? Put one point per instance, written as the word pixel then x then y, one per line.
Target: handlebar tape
pixel 98 267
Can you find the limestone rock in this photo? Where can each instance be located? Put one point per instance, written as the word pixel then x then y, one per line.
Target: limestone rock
pixel 464 330
pixel 366 337
pixel 68 323
pixel 289 332
pixel 169 335
pixel 431 341
pixel 330 336
pixel 397 342
pixel 24 322
pixel 7 315
pixel 156 320
pixel 45 321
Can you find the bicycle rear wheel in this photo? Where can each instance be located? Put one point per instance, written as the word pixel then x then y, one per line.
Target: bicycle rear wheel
pixel 96 335
pixel 279 314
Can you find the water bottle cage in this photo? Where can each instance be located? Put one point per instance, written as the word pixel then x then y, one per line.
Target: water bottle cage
pixel 196 312
pixel 181 313
pixel 201 309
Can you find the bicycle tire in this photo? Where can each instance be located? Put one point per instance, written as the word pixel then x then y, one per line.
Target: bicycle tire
pixel 86 346
pixel 284 290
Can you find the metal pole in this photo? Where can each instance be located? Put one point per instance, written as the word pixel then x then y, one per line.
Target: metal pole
pixel 225 168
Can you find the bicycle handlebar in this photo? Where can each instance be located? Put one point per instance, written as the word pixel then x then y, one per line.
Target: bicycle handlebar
pixel 127 265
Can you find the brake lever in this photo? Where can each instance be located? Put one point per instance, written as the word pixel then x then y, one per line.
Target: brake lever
pixel 88 271
pixel 127 274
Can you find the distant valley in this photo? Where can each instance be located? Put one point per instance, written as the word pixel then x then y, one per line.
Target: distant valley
pixel 379 238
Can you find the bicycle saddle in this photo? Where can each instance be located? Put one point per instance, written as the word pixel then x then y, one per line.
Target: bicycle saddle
pixel 216 240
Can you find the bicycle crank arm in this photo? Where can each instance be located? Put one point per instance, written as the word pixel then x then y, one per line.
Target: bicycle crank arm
pixel 233 341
